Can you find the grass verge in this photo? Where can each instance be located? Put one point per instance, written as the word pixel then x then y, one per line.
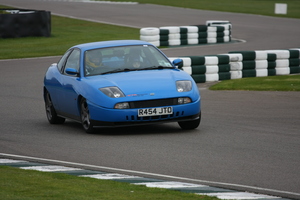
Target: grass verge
pixel 34 185
pixel 270 83
pixel 260 7
pixel 66 32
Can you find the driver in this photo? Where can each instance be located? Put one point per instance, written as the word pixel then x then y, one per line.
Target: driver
pixel 135 61
pixel 93 61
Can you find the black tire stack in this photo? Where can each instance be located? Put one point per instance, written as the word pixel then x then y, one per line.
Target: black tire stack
pixel 24 23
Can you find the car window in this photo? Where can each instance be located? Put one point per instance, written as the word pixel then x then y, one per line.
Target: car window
pixel 62 61
pixel 116 59
pixel 73 60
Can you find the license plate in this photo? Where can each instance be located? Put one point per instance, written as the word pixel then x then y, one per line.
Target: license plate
pixel 155 111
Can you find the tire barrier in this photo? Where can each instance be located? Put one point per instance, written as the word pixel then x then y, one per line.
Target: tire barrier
pixel 217 23
pixel 207 68
pixel 24 23
pixel 252 64
pixel 241 64
pixel 265 63
pixel 214 32
pixel 287 61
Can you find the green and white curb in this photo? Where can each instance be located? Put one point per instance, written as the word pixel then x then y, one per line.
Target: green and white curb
pixel 137 180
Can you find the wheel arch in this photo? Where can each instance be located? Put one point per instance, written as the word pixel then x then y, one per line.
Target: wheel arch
pixel 44 92
pixel 79 99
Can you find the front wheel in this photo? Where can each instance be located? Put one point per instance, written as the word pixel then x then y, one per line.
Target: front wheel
pixel 188 125
pixel 50 111
pixel 85 117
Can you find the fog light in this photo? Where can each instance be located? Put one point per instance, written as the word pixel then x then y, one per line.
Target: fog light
pixel 124 105
pixel 184 100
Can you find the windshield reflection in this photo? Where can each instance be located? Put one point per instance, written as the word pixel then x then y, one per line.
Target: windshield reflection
pixel 125 58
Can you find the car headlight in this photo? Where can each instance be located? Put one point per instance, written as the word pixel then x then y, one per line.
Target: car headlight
pixel 113 92
pixel 183 86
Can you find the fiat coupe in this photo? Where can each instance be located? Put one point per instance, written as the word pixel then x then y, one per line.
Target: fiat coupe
pixel 120 83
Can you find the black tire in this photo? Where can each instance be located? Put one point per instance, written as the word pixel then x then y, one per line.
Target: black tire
pixel 189 125
pixel 50 111
pixel 85 117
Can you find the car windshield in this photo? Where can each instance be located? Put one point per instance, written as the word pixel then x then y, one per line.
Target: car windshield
pixel 124 58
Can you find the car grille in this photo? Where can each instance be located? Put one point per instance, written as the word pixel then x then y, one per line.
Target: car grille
pixel 153 103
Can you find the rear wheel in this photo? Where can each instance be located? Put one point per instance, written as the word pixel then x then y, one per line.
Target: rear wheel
pixel 188 125
pixel 85 117
pixel 50 111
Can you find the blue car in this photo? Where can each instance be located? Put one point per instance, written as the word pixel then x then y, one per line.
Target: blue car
pixel 120 83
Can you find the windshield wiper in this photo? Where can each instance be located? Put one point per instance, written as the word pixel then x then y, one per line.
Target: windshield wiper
pixel 118 70
pixel 156 67
pixel 127 69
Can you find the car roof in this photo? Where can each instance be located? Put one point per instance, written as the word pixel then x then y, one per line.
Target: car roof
pixel 112 43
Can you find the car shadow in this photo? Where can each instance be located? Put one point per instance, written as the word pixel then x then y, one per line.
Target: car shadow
pixel 168 128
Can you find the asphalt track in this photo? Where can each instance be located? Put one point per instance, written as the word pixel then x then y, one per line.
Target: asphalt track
pixel 245 138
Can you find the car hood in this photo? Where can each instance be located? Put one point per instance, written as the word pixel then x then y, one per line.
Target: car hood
pixel 138 85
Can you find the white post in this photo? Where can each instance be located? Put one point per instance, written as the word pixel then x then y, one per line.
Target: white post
pixel 280 8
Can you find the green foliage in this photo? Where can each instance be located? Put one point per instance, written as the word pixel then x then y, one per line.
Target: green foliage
pixel 270 83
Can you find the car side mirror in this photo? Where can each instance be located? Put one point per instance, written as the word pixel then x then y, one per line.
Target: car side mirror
pixel 178 62
pixel 72 71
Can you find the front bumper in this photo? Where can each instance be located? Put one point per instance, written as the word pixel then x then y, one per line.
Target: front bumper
pixel 128 117
pixel 136 123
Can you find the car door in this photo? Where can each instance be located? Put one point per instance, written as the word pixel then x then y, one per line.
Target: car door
pixel 69 82
pixel 55 80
